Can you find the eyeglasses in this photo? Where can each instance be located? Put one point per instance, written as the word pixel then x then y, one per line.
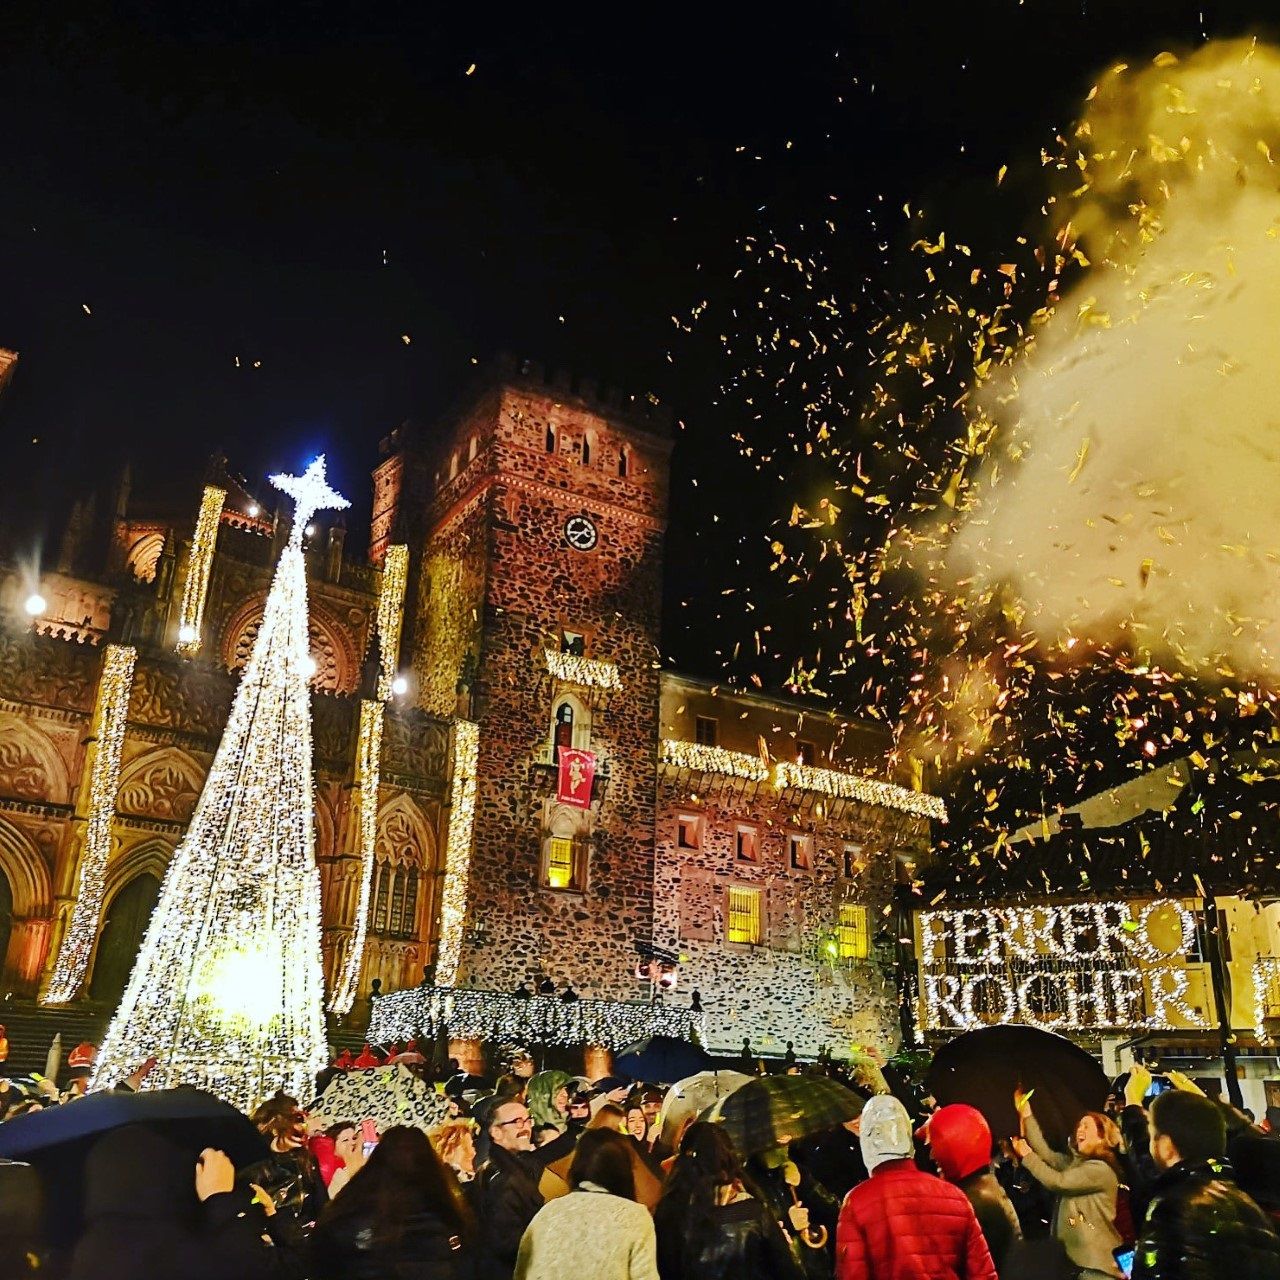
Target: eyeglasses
pixel 518 1120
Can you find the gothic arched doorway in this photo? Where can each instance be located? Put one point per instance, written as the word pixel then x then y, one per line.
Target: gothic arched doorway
pixel 121 936
pixel 6 916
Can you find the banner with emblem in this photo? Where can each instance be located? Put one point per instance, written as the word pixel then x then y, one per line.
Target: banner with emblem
pixel 577 773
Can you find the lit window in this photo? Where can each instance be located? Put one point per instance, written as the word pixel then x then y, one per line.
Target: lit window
pixel 744 916
pixel 853 933
pixel 806 753
pixel 689 832
pixel 561 863
pixel 800 852
pixel 746 846
pixel 706 731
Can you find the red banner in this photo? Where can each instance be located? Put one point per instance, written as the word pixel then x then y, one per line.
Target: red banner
pixel 577 772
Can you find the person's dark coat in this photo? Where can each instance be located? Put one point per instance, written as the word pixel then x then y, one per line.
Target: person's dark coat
pixel 824 1213
pixel 740 1241
pixel 835 1159
pixel 426 1249
pixel 1201 1226
pixel 506 1197
pixel 1141 1171
pixel 144 1222
pixel 1255 1159
pixel 995 1213
pixel 293 1181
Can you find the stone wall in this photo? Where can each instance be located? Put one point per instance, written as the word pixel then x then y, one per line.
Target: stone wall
pixel 508 495
pixel 787 988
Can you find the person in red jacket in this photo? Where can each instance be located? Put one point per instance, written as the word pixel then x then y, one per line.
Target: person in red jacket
pixel 903 1224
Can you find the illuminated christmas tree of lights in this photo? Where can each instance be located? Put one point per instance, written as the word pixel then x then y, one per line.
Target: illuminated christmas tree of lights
pixel 228 988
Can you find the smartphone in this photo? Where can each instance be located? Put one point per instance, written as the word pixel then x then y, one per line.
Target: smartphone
pixel 369 1135
pixel 1124 1255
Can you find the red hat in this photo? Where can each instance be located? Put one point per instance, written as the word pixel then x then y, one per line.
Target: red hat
pixel 959 1140
pixel 343 1060
pixel 367 1058
pixel 81 1058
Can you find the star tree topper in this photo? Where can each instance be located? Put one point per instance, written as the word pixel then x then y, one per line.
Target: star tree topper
pixel 310 493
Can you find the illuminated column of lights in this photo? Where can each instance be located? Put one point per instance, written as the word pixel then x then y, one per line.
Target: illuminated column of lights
pixel 228 988
pixel 395 573
pixel 395 567
pixel 109 715
pixel 457 867
pixel 368 769
pixel 196 588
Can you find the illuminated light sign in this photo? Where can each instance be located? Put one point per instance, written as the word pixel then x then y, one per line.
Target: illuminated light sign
pixel 1079 966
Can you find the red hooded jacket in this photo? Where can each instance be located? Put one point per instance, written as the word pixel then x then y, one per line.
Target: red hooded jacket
pixel 902 1224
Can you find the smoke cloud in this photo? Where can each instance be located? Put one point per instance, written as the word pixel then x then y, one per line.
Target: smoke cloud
pixel 1135 493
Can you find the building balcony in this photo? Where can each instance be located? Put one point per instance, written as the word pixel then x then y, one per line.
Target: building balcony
pixel 544 772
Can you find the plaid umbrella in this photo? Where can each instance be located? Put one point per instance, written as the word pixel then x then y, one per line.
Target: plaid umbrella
pixel 775 1110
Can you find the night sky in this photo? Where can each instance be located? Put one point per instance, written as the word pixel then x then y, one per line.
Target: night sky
pixel 219 224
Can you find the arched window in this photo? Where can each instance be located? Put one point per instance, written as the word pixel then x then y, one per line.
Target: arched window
pixel 394 912
pixel 473 447
pixel 453 464
pixel 624 460
pixel 589 442
pixel 564 727
pixel 551 438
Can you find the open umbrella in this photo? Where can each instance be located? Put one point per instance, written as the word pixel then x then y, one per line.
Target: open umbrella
pixel 661 1058
pixel 774 1110
pixel 188 1117
pixel 983 1068
pixel 389 1095
pixel 57 1140
pixel 688 1098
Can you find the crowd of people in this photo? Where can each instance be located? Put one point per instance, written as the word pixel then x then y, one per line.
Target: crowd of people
pixel 545 1176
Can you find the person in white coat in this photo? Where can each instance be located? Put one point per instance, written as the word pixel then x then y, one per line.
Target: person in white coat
pixel 597 1231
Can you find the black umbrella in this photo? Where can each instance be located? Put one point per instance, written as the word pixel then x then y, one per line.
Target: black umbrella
pixel 661 1059
pixel 773 1111
pixel 983 1068
pixel 57 1140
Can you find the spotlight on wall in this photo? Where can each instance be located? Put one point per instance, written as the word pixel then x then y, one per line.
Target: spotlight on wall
pixel 254 509
pixel 399 685
pixel 310 530
pixel 35 604
pixel 187 633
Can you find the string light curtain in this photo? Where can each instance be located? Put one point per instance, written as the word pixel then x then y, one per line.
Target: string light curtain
pixel 368 771
pixel 109 716
pixel 395 572
pixel 496 1015
pixel 195 590
pixel 228 988
pixel 457 867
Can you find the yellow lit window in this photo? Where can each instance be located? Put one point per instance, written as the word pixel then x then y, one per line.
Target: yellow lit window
pixel 853 933
pixel 560 863
pixel 744 916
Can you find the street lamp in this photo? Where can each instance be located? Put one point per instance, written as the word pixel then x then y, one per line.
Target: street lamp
pixel 35 605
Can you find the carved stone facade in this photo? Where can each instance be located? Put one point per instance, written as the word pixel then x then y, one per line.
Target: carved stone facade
pixel 535 523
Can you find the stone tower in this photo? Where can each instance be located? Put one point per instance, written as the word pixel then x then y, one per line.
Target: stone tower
pixel 539 516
